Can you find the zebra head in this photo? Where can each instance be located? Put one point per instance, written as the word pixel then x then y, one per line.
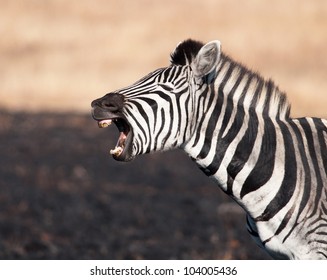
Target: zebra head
pixel 159 112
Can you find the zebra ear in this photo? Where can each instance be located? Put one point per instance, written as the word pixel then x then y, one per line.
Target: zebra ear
pixel 207 59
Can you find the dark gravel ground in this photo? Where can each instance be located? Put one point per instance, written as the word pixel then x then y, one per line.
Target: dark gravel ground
pixel 62 196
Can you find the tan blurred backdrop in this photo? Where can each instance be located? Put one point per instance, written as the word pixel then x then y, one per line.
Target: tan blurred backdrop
pixel 59 55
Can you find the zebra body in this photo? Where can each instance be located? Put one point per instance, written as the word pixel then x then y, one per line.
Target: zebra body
pixel 236 126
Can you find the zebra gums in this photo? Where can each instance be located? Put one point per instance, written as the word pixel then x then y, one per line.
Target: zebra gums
pixel 236 127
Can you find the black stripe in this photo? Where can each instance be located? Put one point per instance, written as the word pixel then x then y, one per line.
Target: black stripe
pixel 314 160
pixel 179 115
pixel 211 125
pixel 323 254
pixel 270 87
pixel 323 207
pixel 138 124
pixel 144 82
pixel 187 117
pixel 304 162
pixel 180 92
pixel 230 103
pixel 154 106
pixel 256 95
pixel 284 223
pixel 307 183
pixel 168 99
pixel 165 75
pixel 264 167
pixel 318 241
pixel 180 82
pixel 287 187
pixel 200 110
pixel 321 129
pixel 173 72
pixel 243 150
pixel 145 117
pixel 317 219
pixel 160 130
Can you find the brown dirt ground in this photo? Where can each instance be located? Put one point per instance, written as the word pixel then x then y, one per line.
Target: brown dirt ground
pixel 63 197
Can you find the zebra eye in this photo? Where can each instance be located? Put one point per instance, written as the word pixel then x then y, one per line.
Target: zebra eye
pixel 168 87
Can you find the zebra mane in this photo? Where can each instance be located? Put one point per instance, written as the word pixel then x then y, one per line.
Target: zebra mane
pixel 275 102
pixel 274 99
pixel 185 52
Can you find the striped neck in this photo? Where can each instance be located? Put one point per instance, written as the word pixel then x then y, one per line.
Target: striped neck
pixel 251 91
pixel 241 114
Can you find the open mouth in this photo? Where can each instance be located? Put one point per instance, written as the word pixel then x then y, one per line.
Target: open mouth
pixel 122 148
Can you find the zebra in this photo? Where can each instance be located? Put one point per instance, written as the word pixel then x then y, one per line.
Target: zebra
pixel 236 126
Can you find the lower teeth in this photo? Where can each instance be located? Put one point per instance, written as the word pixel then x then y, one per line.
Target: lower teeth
pixel 117 151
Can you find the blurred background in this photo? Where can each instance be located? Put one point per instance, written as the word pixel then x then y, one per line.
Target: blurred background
pixel 61 195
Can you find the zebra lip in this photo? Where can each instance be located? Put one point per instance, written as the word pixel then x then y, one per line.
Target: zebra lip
pixel 121 150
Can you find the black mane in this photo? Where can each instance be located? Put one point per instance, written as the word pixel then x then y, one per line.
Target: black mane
pixel 185 52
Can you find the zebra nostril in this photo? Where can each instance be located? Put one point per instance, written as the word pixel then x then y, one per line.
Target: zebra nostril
pixel 112 107
pixel 112 102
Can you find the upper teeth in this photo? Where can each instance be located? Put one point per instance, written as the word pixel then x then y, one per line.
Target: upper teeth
pixel 104 123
